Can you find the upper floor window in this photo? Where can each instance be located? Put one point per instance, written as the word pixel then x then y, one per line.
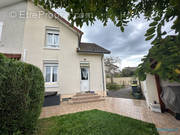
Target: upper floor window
pixel 1 27
pixel 52 38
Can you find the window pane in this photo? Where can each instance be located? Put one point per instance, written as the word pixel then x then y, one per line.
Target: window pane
pixel 54 75
pixel 56 39
pixel 48 74
pixel 84 74
pixel 49 39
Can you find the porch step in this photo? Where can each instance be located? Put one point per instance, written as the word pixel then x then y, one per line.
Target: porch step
pixel 85 98
pixel 84 94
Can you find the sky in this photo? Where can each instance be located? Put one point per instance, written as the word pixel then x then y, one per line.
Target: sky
pixel 130 46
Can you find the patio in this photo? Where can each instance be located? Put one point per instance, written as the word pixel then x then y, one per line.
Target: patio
pixel 128 107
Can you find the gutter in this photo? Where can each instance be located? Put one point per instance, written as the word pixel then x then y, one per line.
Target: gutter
pixel 78 50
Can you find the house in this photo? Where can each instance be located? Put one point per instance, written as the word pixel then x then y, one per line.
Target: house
pixel 46 40
pixel 132 69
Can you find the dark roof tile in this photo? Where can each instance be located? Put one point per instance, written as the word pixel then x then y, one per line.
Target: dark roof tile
pixel 92 48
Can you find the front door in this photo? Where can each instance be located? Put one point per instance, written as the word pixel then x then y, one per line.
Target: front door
pixel 84 79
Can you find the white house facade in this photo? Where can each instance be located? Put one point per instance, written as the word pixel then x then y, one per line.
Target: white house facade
pixel 52 44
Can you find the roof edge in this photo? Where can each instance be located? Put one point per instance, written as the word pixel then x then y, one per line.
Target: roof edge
pixel 65 21
pixel 93 52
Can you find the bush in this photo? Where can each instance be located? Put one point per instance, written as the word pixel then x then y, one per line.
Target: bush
pixel 114 86
pixel 21 96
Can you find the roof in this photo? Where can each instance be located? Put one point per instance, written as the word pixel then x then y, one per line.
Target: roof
pixel 92 48
pixel 65 21
pixel 131 68
pixel 13 56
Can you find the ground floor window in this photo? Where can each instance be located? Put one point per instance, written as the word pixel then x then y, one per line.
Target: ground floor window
pixel 51 73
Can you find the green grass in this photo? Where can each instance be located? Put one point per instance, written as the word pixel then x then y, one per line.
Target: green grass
pixel 94 122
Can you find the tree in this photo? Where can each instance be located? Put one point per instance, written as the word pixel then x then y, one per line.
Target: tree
pixel 111 66
pixel 127 72
pixel 120 12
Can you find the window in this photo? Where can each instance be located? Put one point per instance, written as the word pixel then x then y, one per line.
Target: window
pixel 84 73
pixel 52 38
pixel 1 27
pixel 51 73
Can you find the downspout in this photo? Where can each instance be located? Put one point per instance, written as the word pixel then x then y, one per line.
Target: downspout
pixel 102 65
pixel 79 38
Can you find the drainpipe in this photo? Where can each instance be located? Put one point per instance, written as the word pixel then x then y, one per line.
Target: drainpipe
pixel 24 55
pixel 79 37
pixel 102 65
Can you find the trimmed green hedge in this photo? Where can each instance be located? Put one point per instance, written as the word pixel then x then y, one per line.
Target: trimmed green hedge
pixel 21 96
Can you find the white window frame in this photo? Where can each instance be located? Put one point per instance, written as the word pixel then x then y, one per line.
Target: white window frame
pixel 51 65
pixel 1 29
pixel 53 31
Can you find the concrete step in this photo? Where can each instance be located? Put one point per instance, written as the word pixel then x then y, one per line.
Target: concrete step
pixel 87 100
pixel 85 97
pixel 84 94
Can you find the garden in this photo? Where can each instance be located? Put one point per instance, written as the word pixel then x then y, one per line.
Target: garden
pixel 94 122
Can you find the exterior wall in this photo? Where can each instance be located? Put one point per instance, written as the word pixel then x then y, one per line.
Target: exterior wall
pixel 13 28
pixel 67 56
pixel 150 92
pixel 152 89
pixel 96 73
pixel 145 92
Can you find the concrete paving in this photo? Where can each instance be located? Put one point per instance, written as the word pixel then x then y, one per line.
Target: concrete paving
pixel 122 93
pixel 136 109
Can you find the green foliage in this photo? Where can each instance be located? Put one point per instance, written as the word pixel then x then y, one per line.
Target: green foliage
pixel 114 86
pixel 21 96
pixel 163 59
pixel 127 73
pixel 120 12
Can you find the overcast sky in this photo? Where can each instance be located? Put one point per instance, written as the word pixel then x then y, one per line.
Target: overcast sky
pixel 129 45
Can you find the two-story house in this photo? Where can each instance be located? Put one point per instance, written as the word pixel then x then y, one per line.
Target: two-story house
pixel 48 41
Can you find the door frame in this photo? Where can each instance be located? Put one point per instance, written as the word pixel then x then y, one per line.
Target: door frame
pixel 87 65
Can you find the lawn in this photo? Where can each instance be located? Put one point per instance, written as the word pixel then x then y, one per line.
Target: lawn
pixel 94 122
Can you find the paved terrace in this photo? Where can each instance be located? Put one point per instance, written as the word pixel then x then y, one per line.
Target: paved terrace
pixel 128 107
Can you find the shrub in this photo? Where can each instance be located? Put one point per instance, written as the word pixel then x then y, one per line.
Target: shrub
pixel 114 86
pixel 21 96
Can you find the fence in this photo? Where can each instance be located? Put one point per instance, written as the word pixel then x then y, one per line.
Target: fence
pixel 121 80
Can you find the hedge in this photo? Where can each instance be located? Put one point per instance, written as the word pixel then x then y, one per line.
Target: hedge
pixel 21 96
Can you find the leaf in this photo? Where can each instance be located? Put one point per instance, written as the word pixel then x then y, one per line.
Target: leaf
pixel 150 31
pixel 164 33
pixel 153 23
pixel 157 18
pixel 150 37
pixel 122 28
